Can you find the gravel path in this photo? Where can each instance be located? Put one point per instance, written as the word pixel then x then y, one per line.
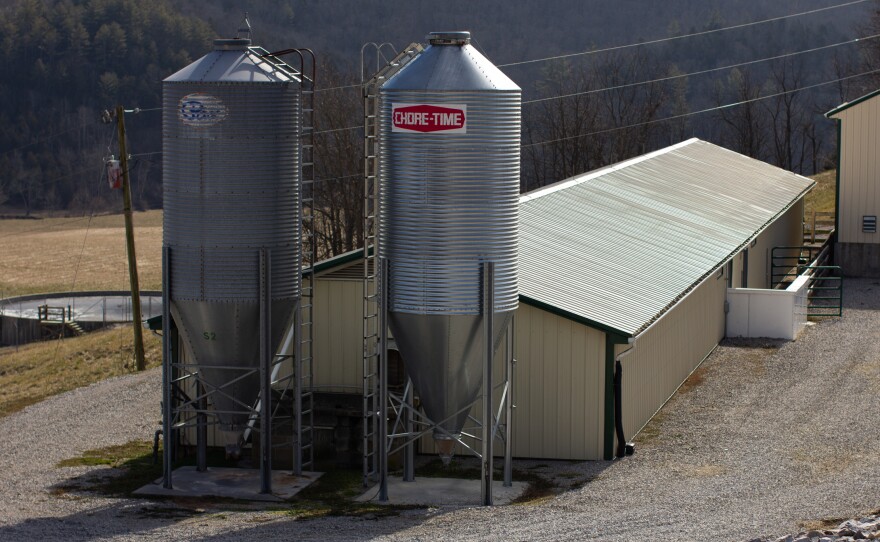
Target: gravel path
pixel 768 439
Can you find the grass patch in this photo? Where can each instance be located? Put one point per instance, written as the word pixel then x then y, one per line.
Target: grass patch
pixel 113 456
pixel 822 197
pixel 33 372
pixel 695 379
pixel 132 465
pixel 75 253
pixel 333 494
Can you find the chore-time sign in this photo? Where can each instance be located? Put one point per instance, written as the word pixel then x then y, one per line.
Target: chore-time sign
pixel 429 118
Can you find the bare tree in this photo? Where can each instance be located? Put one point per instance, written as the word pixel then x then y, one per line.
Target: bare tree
pixel 338 150
pixel 590 116
pixel 745 128
pixel 630 105
pixel 555 145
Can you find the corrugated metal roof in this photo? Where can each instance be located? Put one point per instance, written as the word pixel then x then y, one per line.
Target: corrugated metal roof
pixel 617 247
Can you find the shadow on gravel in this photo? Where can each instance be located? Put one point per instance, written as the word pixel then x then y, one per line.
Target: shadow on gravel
pixel 854 294
pixel 123 517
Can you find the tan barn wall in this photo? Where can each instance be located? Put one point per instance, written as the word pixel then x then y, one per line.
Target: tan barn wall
pixel 558 389
pixel 667 353
pixel 859 170
pixel 787 230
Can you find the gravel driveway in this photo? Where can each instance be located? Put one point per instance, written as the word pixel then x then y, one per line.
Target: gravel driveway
pixel 765 438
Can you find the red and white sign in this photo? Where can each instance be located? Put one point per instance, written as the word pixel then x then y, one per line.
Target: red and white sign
pixel 429 118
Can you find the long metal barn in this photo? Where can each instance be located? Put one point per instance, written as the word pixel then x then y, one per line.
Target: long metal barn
pixel 625 270
pixel 629 263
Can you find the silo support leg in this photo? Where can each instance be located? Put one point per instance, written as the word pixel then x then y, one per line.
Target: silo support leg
pixel 383 381
pixel 166 368
pixel 508 405
pixel 488 354
pixel 298 390
pixel 265 372
pixel 201 430
pixel 409 452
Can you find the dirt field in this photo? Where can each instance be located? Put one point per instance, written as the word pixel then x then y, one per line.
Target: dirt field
pixel 78 253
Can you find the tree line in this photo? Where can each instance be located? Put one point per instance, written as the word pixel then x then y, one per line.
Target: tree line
pixel 73 58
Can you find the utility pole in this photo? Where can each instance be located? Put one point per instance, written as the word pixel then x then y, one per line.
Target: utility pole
pixel 129 244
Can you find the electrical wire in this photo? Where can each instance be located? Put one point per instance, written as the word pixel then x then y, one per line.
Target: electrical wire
pixel 110 139
pixel 359 126
pixel 667 118
pixel 702 72
pixel 50 137
pixel 337 88
pixel 683 36
pixel 708 110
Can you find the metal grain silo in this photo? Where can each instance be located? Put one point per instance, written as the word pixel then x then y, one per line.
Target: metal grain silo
pixel 449 139
pixel 231 128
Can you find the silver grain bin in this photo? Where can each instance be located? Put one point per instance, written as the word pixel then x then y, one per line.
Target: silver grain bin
pixel 230 139
pixel 449 169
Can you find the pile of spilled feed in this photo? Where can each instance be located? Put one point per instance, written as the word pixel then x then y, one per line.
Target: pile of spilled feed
pixel 867 528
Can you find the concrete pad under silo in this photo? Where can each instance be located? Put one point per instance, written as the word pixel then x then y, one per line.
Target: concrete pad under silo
pixel 443 492
pixel 243 484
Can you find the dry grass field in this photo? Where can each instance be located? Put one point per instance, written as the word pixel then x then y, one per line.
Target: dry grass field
pixel 821 198
pixel 76 254
pixel 30 373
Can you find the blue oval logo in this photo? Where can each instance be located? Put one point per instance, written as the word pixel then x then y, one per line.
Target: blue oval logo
pixel 201 110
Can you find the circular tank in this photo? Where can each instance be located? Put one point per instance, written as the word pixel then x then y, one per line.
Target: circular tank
pixel 449 140
pixel 230 138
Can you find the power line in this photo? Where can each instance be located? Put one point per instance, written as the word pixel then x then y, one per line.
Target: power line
pixel 702 72
pixel 672 38
pixel 359 126
pixel 42 228
pixel 51 137
pixel 337 88
pixel 708 110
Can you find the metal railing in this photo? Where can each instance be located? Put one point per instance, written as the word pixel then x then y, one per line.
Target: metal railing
pixel 45 313
pixel 818 227
pixel 788 263
pixel 825 291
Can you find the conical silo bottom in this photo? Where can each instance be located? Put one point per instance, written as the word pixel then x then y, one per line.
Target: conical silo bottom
pixel 224 338
pixel 443 356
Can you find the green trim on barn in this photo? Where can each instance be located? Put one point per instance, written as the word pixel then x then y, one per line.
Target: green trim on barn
pixel 574 317
pixel 837 182
pixel 843 107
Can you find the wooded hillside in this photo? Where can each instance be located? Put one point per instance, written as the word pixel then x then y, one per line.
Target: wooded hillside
pixel 67 60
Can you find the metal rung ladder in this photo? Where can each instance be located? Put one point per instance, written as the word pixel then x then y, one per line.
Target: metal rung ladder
pixel 371 81
pixel 303 375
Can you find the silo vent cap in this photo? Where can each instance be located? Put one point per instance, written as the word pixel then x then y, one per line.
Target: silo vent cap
pixel 232 44
pixel 449 38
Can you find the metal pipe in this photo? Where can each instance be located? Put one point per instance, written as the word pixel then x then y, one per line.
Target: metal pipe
pixel 156 446
pixel 409 451
pixel 265 371
pixel 623 447
pixel 166 368
pixel 297 389
pixel 382 422
pixel 508 406
pixel 488 351
pixel 201 429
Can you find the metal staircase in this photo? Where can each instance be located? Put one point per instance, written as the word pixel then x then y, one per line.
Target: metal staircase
pixel 372 78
